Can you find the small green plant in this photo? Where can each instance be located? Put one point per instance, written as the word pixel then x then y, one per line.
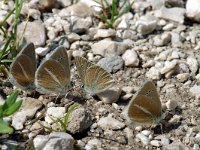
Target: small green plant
pixel 110 13
pixel 10 106
pixel 61 122
pixel 12 42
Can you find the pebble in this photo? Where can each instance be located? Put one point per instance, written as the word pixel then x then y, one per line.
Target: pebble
pixel 110 123
pixel 42 51
pixel 79 53
pixel 128 89
pixel 162 40
pixel 28 109
pixel 195 91
pixel 107 48
pixel 110 95
pixel 144 139
pixel 168 66
pixel 155 143
pixel 171 104
pixel 146 24
pixel 38 38
pixel 146 132
pixel 123 24
pixel 193 64
pixel 193 10
pixel 57 112
pixel 79 120
pixel 111 64
pixel 130 58
pixel 103 33
pixel 153 73
pixel 183 77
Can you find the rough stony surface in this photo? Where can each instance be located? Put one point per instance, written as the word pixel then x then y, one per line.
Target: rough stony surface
pixel 156 40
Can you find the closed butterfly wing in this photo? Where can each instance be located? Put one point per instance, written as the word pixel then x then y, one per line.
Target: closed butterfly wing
pixel 145 107
pixel 97 80
pixel 144 110
pixel 149 90
pixel 82 65
pixel 23 67
pixel 53 75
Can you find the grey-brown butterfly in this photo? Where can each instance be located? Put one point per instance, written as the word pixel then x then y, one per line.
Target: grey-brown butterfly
pixel 145 107
pixel 23 67
pixel 94 78
pixel 53 74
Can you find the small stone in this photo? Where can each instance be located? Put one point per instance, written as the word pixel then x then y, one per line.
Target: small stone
pixel 195 91
pixel 155 143
pixel 30 34
pixel 111 95
pixel 27 110
pixel 79 120
pixel 176 145
pixel 95 142
pixel 144 139
pixel 110 123
pixel 107 48
pixel 153 73
pixel 127 96
pixel 130 58
pixel 193 10
pixel 111 64
pixel 79 53
pixel 161 40
pixel 165 141
pixel 168 66
pixel 174 14
pixel 57 112
pixel 103 33
pixel 72 37
pixel 138 128
pixel 42 51
pixel 193 64
pixel 39 141
pixel 146 24
pixel 175 40
pixel 156 4
pixel 183 77
pixel 168 27
pixel 171 104
pixel 146 132
pixel 123 24
pixel 128 89
pixel 175 119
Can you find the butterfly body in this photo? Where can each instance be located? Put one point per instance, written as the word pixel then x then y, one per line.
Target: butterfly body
pixel 145 107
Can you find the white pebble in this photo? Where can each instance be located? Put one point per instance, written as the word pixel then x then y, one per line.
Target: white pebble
pixel 155 143
pixel 144 139
pixel 146 132
pixel 171 104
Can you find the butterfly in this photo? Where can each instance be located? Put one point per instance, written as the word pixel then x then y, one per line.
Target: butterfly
pixel 23 68
pixel 94 78
pixel 145 107
pixel 53 74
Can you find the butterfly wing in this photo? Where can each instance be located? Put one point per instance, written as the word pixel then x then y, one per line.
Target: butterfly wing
pixel 149 90
pixel 53 75
pixel 143 110
pixel 82 65
pixel 97 80
pixel 23 67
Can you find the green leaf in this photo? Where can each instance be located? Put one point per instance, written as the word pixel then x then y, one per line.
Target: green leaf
pixel 12 109
pixel 4 127
pixel 12 98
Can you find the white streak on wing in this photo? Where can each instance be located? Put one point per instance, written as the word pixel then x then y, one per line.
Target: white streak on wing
pixel 143 109
pixel 53 76
pixel 24 72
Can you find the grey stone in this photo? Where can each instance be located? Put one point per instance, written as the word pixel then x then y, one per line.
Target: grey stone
pixel 38 38
pixel 144 139
pixel 174 14
pixel 103 33
pixel 130 58
pixel 110 123
pixel 161 40
pixel 156 4
pixel 79 120
pixel 175 40
pixel 111 64
pixel 195 91
pixel 42 51
pixel 193 64
pixel 193 9
pixel 107 48
pixel 28 110
pixel 146 24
